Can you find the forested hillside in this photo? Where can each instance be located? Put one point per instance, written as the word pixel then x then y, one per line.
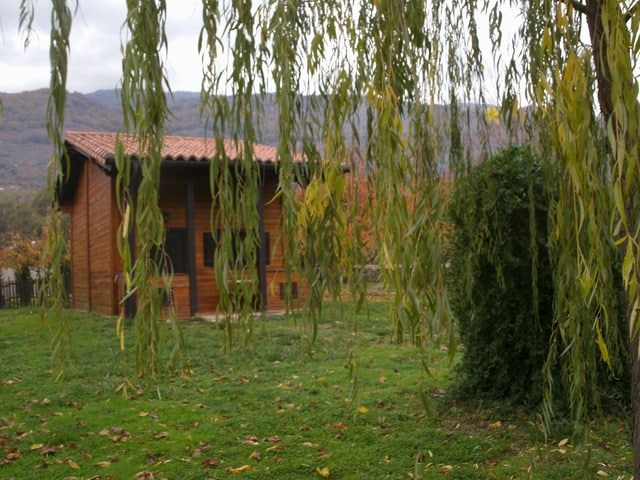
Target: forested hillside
pixel 25 149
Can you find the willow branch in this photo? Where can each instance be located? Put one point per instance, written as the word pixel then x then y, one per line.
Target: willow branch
pixel 581 7
pixel 631 12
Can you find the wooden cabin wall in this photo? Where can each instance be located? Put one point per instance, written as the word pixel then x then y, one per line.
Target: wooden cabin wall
pixel 276 277
pixel 172 202
pixel 102 242
pixel 93 249
pixel 208 292
pixel 79 241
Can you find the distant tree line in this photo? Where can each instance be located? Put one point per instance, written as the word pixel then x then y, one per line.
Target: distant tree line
pixel 22 215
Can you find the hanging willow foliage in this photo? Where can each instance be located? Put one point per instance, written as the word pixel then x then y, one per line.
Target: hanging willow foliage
pixel 386 65
pixel 53 294
pixel 145 109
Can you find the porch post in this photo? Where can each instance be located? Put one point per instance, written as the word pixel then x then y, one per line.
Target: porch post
pixel 262 249
pixel 130 303
pixel 190 211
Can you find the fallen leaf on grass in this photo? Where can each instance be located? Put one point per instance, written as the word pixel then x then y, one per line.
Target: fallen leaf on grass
pixel 48 450
pixel 160 435
pixel 234 471
pixel 119 434
pixel 36 446
pixel 210 462
pixel 144 475
pixel 338 425
pixel 491 463
pixel 362 409
pixel 273 439
pixel 497 424
pixel 250 440
pixel 563 442
pixel 13 456
pixel 73 464
pixel 143 414
pixel 602 473
pixel 255 456
pixel 446 469
pixel 324 472
pixel 103 464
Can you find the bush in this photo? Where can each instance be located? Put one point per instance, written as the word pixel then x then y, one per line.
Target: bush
pixel 501 277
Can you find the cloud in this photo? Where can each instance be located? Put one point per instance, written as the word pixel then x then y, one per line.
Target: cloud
pixel 95 59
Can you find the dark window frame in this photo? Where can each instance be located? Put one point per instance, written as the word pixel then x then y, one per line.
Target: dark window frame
pixel 176 249
pixel 210 243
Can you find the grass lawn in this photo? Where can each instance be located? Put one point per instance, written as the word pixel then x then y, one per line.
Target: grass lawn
pixel 271 411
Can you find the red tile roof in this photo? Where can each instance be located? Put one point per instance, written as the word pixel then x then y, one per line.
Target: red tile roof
pixel 101 147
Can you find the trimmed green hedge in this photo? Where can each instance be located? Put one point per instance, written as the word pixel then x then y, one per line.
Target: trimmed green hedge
pixel 501 277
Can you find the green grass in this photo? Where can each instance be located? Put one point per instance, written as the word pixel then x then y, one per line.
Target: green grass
pixel 273 407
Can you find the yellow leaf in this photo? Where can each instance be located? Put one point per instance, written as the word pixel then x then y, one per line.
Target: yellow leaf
pixel 143 414
pixel 73 464
pixel 324 472
pixel 244 468
pixel 493 115
pixel 362 409
pixel 497 424
pixel 36 446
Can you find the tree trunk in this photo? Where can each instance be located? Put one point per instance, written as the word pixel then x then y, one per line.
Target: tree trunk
pixel 635 403
pixel 600 49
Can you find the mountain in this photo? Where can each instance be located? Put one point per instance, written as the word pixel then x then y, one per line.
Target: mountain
pixel 25 149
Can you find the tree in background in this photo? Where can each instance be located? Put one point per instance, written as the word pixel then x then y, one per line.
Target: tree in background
pixel 24 256
pixel 398 59
pixel 23 216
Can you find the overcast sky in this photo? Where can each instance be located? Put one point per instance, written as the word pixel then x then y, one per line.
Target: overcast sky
pixel 95 60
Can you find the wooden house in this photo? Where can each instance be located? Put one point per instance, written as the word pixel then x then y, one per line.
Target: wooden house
pixel 89 196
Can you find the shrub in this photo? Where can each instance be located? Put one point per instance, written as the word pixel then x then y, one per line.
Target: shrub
pixel 500 276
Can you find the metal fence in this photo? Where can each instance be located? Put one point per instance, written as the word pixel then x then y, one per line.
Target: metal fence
pixel 22 292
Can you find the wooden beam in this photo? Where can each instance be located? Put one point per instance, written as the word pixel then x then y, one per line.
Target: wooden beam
pixel 87 199
pixel 262 252
pixel 130 304
pixel 190 213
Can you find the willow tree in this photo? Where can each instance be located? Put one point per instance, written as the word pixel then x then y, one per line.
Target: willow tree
pixel 334 66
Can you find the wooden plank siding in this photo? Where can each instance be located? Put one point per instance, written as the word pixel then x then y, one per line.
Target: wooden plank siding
pixel 95 262
pixel 79 241
pixel 94 257
pixel 101 240
pixel 172 203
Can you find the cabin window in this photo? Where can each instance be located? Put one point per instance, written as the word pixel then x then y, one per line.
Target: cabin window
pixel 210 242
pixel 176 249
